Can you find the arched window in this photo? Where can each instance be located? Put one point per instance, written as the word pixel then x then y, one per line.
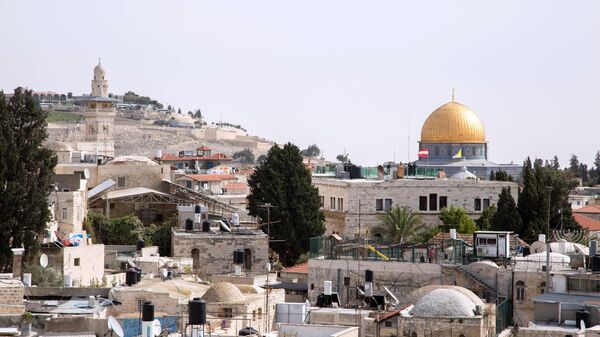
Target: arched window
pixel 520 290
pixel 414 334
pixel 542 287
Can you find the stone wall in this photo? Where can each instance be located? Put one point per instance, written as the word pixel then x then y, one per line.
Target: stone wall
pixel 401 278
pixel 11 297
pixel 359 199
pixel 215 251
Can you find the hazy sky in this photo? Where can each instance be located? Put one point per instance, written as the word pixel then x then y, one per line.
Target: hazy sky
pixel 359 76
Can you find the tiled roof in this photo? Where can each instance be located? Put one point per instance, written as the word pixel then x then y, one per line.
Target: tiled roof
pixel 588 209
pixel 236 186
pixel 587 222
pixel 203 148
pixel 210 177
pixel 301 268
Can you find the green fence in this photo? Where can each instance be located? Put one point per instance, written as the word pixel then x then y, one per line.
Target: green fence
pixel 503 315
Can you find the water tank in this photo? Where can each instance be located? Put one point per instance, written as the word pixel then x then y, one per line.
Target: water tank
pixel 139 244
pixel 139 274
pixel 197 312
pixel 206 226
pixel 68 280
pixel 197 209
pixel 593 247
pixel 542 237
pixel 238 257
pixel 235 218
pixel 453 233
pixel 27 279
pixel 595 264
pixel 147 311
pixel 131 277
pixel 562 246
pixel 189 224
pixel 582 315
pixel 368 275
pixel 158 153
pixel 327 287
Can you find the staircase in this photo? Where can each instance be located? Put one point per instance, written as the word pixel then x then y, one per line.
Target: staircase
pixel 493 293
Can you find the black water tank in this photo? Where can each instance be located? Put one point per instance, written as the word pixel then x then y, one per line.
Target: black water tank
pixel 140 244
pixel 139 274
pixel 238 257
pixel 147 311
pixel 368 275
pixel 206 226
pixel 197 312
pixel 582 315
pixel 197 209
pixel 131 277
pixel 526 251
pixel 595 264
pixel 346 281
pixel 189 224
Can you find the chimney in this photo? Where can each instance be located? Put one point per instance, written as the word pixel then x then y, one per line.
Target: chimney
pixel 17 261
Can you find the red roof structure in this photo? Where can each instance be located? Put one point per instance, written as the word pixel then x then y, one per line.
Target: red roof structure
pixel 236 186
pixel 301 268
pixel 587 222
pixel 203 148
pixel 210 177
pixel 595 209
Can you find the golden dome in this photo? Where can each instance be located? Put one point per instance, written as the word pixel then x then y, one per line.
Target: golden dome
pixel 453 123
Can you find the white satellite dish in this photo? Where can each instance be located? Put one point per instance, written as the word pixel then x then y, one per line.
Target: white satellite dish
pixel 44 260
pixel 224 226
pixel 86 173
pixel 392 296
pixel 165 273
pixel 115 326
pixel 131 263
pixel 156 327
pixel 362 293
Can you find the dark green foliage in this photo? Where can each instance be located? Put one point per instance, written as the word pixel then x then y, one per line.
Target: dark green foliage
pixel 456 217
pixel 574 166
pixel 26 171
pixel 506 217
pixel 131 97
pixel 484 221
pixel 399 225
pixel 502 176
pixel 342 158
pixel 160 235
pixel 198 113
pixel 244 156
pixel 311 151
pixel 492 175
pixel 44 277
pixel 261 159
pixel 285 182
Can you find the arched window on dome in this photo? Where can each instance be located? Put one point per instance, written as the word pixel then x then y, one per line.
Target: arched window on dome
pixel 520 290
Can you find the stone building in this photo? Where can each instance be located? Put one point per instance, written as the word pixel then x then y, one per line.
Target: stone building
pixel 212 252
pixel 11 297
pixel 69 203
pixel 84 264
pixel 351 205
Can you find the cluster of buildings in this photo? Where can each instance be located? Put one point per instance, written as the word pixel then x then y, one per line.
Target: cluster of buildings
pixel 219 277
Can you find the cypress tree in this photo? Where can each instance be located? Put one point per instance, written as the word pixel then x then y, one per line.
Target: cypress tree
pixel 283 181
pixel 507 217
pixel 26 171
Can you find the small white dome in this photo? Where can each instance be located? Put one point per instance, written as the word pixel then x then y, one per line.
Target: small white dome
pixel 463 174
pixel 98 71
pixel 444 303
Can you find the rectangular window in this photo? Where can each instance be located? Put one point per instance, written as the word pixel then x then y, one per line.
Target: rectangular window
pixel 388 204
pixel 443 202
pixel 226 312
pixel 65 213
pixel 520 293
pixel 76 262
pixel 378 205
pixel 388 323
pixel 322 201
pixel 332 202
pixel 121 182
pixel 486 204
pixel 340 204
pixel 433 202
pixel 422 203
pixel 477 205
pixel 188 184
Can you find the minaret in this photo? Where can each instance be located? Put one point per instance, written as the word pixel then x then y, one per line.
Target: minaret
pixel 99 84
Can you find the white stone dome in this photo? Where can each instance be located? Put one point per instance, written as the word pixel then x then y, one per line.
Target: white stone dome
pixel 463 174
pixel 444 302
pixel 99 71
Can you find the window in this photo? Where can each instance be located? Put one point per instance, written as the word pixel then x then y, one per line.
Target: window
pixel 340 204
pixel 65 213
pixel 227 312
pixel 388 323
pixel 520 290
pixel 443 202
pixel 332 202
pixel 379 204
pixel 422 203
pixel 76 262
pixel 486 204
pixel 322 201
pixel 66 190
pixel 433 202
pixel 477 205
pixel 248 258
pixel 188 184
pixel 388 204
pixel 121 182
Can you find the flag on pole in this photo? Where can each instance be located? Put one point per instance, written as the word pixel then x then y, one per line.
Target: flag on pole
pixel 458 154
pixel 424 153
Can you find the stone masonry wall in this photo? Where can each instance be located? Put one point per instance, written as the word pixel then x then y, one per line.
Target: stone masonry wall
pixel 11 297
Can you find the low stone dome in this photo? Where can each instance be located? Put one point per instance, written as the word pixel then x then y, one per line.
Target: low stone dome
pixel 444 303
pixel 222 292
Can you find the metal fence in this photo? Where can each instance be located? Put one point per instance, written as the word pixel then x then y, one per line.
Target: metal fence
pixel 503 315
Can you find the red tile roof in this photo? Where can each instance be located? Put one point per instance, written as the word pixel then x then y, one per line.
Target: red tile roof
pixel 236 186
pixel 390 314
pixel 210 177
pixel 203 148
pixel 586 222
pixel 588 209
pixel 301 268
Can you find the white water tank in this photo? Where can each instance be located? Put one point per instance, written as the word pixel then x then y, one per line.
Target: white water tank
pixel 542 237
pixel 235 218
pixel 27 279
pixel 158 153
pixel 327 287
pixel 453 233
pixel 68 281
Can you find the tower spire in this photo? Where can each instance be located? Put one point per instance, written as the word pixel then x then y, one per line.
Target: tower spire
pixel 99 60
pixel 453 94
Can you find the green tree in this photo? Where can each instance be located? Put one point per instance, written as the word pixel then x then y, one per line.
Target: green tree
pixel 506 217
pixel 244 156
pixel 126 230
pixel 179 111
pixel 26 171
pixel 198 114
pixel 484 221
pixel 574 166
pixel 399 224
pixel 492 175
pixel 311 151
pixel 503 176
pixel 456 217
pixel 160 235
pixel 284 182
pixel 261 159
pixel 342 158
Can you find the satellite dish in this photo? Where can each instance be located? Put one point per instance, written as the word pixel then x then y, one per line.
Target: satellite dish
pixel 115 326
pixel 156 327
pixel 392 296
pixel 224 226
pixel 86 174
pixel 165 273
pixel 44 260
pixel 131 263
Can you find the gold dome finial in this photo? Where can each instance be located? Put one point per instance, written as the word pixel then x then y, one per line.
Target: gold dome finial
pixel 453 94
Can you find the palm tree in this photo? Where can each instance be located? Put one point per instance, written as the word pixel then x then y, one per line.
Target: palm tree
pixel 400 224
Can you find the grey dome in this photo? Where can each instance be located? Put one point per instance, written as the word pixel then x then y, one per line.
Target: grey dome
pixel 444 303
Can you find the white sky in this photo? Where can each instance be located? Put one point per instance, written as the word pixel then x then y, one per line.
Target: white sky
pixel 342 74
